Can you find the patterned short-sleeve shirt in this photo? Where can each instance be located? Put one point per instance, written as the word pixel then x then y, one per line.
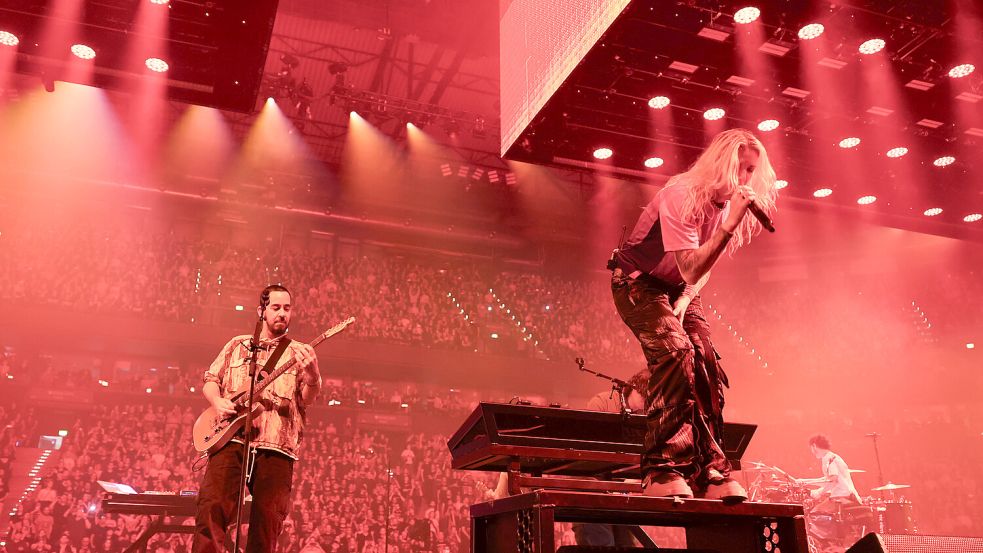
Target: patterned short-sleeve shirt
pixel 280 426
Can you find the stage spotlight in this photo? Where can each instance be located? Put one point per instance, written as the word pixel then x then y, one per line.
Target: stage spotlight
pixel 159 2
pixel 654 162
pixel 961 71
pixel 822 192
pixel 768 125
pixel 603 153
pixel 780 183
pixel 866 200
pixel 83 51
pixel 811 31
pixel 932 212
pixel 157 65
pixel 8 39
pixel 659 102
pixel 972 218
pixel 872 46
pixel 713 114
pixel 747 15
pixel 851 142
pixel 897 152
pixel 944 161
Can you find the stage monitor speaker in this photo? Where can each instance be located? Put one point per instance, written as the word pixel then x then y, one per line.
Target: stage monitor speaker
pixel 914 543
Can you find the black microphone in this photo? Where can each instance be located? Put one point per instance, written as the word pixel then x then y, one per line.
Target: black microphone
pixel 761 216
pixel 264 299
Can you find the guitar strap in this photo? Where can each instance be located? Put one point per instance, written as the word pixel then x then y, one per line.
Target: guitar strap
pixel 274 358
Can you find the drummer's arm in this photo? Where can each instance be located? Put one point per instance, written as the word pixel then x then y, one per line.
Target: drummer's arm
pixel 820 480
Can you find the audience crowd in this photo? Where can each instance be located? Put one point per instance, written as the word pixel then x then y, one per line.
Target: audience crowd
pixel 456 303
pixel 347 472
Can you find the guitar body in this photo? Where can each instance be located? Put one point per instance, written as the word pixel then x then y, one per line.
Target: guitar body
pixel 212 431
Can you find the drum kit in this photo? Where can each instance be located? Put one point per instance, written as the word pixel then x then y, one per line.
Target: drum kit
pixel 832 524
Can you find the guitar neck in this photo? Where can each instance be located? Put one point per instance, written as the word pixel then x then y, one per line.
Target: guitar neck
pixel 260 386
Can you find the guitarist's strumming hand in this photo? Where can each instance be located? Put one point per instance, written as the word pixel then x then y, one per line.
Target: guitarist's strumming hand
pixel 223 406
pixel 307 360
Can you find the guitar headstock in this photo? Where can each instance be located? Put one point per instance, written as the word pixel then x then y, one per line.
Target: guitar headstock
pixel 334 330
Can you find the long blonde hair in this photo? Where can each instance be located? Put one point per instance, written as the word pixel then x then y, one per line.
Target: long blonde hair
pixel 719 164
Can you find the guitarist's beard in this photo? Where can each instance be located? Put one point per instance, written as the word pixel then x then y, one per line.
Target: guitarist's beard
pixel 278 328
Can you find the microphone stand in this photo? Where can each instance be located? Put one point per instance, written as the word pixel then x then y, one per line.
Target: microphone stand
pixel 244 466
pixel 880 472
pixel 617 386
pixel 389 497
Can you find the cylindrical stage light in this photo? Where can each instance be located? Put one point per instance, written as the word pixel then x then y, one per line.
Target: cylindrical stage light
pixel 8 39
pixel 932 212
pixel 603 153
pixel 973 217
pixel 780 183
pixel 654 162
pixel 866 200
pixel 822 192
pixel 961 71
pixel 811 31
pixel 747 15
pixel 872 46
pixel 83 51
pixel 156 64
pixel 897 152
pixel 768 125
pixel 713 114
pixel 659 102
pixel 944 161
pixel 850 142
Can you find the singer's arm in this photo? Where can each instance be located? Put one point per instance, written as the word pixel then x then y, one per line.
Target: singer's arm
pixel 695 265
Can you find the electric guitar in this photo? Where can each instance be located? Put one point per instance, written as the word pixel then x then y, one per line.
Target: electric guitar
pixel 212 430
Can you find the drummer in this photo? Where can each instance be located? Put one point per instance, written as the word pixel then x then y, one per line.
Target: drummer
pixel 836 485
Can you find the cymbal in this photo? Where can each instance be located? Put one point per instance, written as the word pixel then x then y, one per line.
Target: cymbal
pixel 889 487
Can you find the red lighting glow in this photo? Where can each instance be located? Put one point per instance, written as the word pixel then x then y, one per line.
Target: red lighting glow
pixel 654 162
pixel 8 39
pixel 944 161
pixel 713 114
pixel 851 142
pixel 659 102
pixel 768 125
pixel 961 71
pixel 897 152
pixel 811 31
pixel 973 217
pixel 603 153
pixel 747 15
pixel 932 212
pixel 156 64
pixel 83 51
pixel 872 46
pixel 779 184
pixel 866 200
pixel 822 192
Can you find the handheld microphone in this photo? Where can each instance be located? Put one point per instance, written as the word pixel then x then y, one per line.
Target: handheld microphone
pixel 761 216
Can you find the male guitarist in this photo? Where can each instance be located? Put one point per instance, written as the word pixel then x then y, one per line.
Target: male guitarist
pixel 276 435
